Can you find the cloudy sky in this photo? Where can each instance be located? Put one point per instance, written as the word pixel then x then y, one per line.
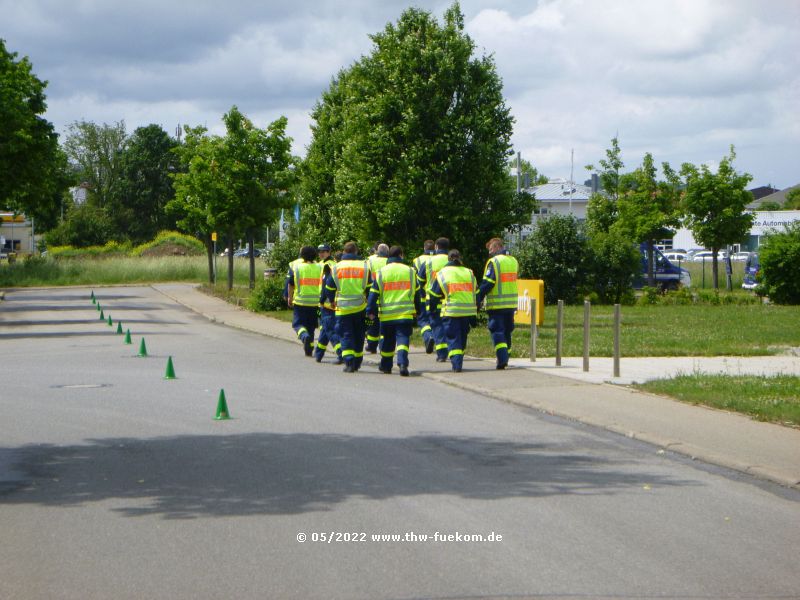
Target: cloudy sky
pixel 682 79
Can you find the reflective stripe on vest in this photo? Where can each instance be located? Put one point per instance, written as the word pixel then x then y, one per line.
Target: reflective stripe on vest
pixel 459 288
pixel 397 284
pixel 307 283
pixel 351 278
pixel 504 293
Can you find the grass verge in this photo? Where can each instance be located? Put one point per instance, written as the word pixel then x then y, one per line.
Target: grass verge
pixel 767 398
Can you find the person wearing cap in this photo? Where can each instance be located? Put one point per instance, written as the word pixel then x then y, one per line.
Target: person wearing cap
pixel 423 318
pixel 427 276
pixel 455 286
pixel 499 289
pixel 303 284
pixel 327 316
pixel 345 288
pixel 394 298
pixel 377 260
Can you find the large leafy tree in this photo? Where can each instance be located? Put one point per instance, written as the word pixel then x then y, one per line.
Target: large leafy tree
pixel 145 185
pixel 648 209
pixel 715 206
pixel 33 172
pixel 412 142
pixel 96 152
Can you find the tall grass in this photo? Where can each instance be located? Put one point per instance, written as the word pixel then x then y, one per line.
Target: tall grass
pixel 48 271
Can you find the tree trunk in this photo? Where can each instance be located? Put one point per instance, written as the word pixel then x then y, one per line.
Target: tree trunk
pixel 230 261
pixel 714 272
pixel 210 255
pixel 252 260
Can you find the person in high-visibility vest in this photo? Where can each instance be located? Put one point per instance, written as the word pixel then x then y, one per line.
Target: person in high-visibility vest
pixel 499 289
pixel 394 297
pixel 456 287
pixel 327 316
pixel 377 260
pixel 303 298
pixel 423 318
pixel 346 289
pixel 427 275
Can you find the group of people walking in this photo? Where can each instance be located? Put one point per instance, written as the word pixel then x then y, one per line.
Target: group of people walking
pixel 372 304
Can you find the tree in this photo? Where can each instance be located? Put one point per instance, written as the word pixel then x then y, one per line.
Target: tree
pixel 648 209
pixel 32 171
pixel 715 206
pixel 792 199
pixel 556 252
pixel 96 152
pixel 779 256
pixel 254 165
pixel 412 142
pixel 145 186
pixel 609 175
pixel 196 187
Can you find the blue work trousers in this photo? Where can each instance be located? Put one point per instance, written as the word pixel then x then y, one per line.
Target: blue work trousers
pixel 501 324
pixel 327 333
pixel 456 330
pixel 439 333
pixel 396 336
pixel 352 331
pixel 304 321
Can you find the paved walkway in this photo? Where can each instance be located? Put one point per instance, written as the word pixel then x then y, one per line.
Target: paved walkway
pixel 731 440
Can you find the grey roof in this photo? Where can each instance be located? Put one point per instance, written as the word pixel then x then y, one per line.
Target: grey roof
pixel 779 197
pixel 559 190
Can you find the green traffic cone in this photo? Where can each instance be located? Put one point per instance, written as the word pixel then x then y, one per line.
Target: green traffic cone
pixel 170 373
pixel 110 323
pixel 142 349
pixel 94 300
pixel 102 316
pixel 222 407
pixel 119 327
pixel 128 337
pixel 98 306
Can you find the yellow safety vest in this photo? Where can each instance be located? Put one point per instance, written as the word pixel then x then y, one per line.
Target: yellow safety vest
pixel 376 263
pixel 460 290
pixel 432 267
pixel 351 278
pixel 504 293
pixel 397 286
pixel 307 283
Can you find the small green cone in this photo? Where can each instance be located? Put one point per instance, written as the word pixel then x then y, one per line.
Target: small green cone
pixel 94 300
pixel 110 322
pixel 170 373
pixel 98 306
pixel 102 316
pixel 119 327
pixel 222 407
pixel 128 337
pixel 142 349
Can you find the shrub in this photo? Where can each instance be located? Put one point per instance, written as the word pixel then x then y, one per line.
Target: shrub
pixel 780 265
pixel 169 241
pixel 267 295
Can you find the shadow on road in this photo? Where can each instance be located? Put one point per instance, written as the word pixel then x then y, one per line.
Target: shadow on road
pixel 272 473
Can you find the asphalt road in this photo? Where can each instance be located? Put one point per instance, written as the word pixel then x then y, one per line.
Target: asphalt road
pixel 117 483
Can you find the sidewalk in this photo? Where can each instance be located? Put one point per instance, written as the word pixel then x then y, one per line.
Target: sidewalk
pixel 727 439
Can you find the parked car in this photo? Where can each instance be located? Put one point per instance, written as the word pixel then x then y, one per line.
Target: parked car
pixel 740 256
pixel 708 256
pixel 674 256
pixel 668 276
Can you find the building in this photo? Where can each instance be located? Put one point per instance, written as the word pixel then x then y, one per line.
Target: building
pixel 777 197
pixel 765 222
pixel 16 234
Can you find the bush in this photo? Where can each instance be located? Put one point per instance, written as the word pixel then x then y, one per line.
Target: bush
pixel 267 295
pixel 780 265
pixel 171 242
pixel 109 249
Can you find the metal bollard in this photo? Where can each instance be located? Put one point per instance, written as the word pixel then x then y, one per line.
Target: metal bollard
pixel 534 330
pixel 586 311
pixel 617 322
pixel 559 332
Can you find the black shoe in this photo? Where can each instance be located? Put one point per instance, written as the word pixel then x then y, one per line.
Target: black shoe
pixel 307 347
pixel 429 346
pixel 318 358
pixel 372 350
pixel 501 366
pixel 456 369
pixel 349 368
pixel 339 360
pixel 441 359
pixel 385 371
pixel 404 371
